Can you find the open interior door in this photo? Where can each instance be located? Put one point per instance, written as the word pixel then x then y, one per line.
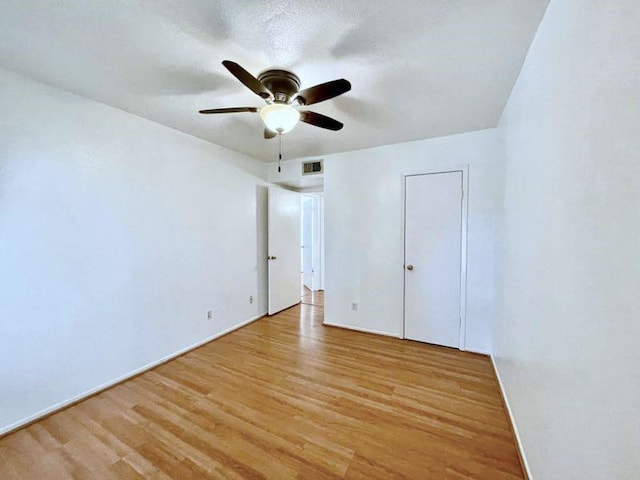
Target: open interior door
pixel 307 242
pixel 284 249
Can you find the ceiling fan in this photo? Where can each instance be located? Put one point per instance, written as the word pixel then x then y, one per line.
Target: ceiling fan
pixel 280 90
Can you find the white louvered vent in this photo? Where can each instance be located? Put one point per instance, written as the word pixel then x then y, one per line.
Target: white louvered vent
pixel 312 168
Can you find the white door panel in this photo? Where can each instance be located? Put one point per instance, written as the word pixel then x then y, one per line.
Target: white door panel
pixel 433 239
pixel 307 241
pixel 284 249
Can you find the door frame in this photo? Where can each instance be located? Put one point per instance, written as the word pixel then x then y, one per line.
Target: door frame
pixel 317 237
pixel 313 201
pixel 464 169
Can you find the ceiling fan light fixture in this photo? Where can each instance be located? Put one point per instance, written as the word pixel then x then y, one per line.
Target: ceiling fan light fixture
pixel 279 117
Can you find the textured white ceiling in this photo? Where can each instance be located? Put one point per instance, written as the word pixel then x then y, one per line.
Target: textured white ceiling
pixel 419 69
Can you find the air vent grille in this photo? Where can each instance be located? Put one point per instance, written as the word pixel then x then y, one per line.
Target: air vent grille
pixel 314 167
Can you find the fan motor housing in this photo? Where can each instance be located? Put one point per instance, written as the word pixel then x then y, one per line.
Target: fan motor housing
pixel 282 83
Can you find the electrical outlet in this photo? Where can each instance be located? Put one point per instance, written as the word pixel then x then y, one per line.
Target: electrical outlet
pixel 250 298
pixel 354 307
pixel 209 314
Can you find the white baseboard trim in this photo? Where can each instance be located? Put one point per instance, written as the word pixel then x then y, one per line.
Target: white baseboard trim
pixel 78 398
pixel 360 329
pixel 514 426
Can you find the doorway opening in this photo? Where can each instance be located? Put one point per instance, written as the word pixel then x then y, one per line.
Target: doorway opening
pixel 312 249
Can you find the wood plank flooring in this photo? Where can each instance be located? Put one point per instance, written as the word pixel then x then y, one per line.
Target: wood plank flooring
pixel 283 398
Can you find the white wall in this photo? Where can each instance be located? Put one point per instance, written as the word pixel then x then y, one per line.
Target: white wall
pixel 364 228
pixel 567 340
pixel 116 236
pixel 290 176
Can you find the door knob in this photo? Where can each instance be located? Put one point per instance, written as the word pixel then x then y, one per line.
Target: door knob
pixel 271 257
pixel 409 267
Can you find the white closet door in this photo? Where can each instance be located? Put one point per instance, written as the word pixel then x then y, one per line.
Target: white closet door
pixel 433 240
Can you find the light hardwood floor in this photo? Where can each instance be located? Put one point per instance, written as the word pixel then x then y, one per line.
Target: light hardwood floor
pixel 283 398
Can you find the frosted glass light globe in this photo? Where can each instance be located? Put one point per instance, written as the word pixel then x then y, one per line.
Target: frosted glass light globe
pixel 279 117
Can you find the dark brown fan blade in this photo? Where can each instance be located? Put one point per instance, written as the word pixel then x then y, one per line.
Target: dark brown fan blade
pixel 323 92
pixel 320 120
pixel 249 81
pixel 230 110
pixel 269 134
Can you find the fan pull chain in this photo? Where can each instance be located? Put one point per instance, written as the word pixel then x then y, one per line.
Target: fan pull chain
pixel 279 151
